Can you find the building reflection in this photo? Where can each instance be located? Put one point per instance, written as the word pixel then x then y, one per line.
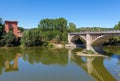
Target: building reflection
pixel 12 66
pixel 9 62
pixel 94 66
pixel 10 57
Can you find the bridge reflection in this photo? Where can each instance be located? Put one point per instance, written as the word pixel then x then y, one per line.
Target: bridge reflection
pixel 94 66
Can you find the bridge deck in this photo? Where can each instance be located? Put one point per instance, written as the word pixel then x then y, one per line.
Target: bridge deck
pixel 100 32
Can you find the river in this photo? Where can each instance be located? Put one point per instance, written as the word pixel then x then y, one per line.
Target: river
pixel 46 64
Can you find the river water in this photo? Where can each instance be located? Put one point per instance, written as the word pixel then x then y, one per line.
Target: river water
pixel 45 64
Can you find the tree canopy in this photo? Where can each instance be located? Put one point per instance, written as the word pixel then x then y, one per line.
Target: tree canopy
pixel 117 26
pixel 53 24
pixel 72 27
pixel 1 22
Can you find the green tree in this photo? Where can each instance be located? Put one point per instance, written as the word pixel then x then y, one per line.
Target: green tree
pixel 1 22
pixel 32 37
pixel 62 24
pixel 72 27
pixel 1 31
pixel 117 27
pixel 53 29
pixel 21 29
pixel 59 24
pixel 1 27
pixel 9 39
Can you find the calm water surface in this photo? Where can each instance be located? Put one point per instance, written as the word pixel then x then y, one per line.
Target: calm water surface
pixel 43 64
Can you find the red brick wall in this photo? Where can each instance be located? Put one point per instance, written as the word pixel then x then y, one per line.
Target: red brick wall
pixel 14 26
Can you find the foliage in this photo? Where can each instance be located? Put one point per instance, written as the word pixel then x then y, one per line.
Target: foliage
pixel 1 31
pixel 9 39
pixel 55 31
pixel 36 37
pixel 21 29
pixel 113 41
pixel 112 49
pixel 117 27
pixel 32 37
pixel 1 28
pixel 59 24
pixel 52 30
pixel 49 31
pixel 1 22
pixel 72 27
pixel 88 52
pixel 77 49
pixel 93 29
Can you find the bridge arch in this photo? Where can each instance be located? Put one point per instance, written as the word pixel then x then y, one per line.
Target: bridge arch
pixel 78 38
pixel 91 38
pixel 102 38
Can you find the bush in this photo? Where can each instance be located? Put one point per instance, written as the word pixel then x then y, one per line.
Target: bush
pixel 50 45
pixel 88 52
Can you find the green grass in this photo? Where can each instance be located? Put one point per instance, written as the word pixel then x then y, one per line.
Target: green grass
pixel 88 52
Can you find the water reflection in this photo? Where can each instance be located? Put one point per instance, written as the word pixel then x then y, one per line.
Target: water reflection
pixel 112 50
pixel 12 66
pixel 97 67
pixel 9 60
pixel 45 56
pixel 9 57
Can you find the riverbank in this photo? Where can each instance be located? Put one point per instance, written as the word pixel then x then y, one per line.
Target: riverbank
pixel 51 46
pixel 59 46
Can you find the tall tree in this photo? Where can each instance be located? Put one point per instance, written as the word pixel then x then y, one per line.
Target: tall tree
pixel 31 37
pixel 53 24
pixel 72 27
pixel 117 27
pixel 21 29
pixel 9 38
pixel 1 28
pixel 1 22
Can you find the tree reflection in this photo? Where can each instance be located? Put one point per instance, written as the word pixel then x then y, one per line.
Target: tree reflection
pixel 9 57
pixel 112 50
pixel 93 65
pixel 1 63
pixel 45 56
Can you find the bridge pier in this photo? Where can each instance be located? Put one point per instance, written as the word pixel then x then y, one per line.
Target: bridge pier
pixel 87 38
pixel 70 44
pixel 88 42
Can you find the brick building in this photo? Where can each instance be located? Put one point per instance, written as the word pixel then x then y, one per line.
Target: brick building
pixel 12 25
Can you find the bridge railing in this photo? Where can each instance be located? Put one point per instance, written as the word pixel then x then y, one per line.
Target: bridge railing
pixel 96 32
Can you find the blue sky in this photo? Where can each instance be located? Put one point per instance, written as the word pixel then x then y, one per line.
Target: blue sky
pixel 84 13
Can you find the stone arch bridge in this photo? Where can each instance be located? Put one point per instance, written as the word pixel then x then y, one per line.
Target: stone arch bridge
pixel 91 38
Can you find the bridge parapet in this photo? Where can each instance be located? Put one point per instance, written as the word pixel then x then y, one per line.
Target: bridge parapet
pixel 99 32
